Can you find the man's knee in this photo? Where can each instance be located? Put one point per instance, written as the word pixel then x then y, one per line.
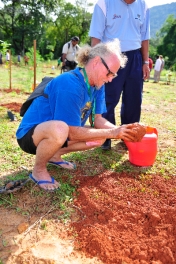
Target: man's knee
pixel 59 130
pixel 54 131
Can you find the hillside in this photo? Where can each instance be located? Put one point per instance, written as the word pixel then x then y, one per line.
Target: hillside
pixel 158 15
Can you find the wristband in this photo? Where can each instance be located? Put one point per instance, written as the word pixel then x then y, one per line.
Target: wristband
pixel 145 62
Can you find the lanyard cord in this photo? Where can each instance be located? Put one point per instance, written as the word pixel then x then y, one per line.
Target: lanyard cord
pixel 90 95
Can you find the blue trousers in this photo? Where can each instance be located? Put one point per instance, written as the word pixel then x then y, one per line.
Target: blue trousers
pixel 129 83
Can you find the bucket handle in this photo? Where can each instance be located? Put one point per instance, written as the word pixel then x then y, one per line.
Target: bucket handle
pixel 151 130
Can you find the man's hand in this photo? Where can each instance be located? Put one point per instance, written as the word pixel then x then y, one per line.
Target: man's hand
pixel 146 71
pixel 131 132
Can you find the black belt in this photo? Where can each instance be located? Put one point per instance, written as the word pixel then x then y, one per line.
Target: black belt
pixel 124 52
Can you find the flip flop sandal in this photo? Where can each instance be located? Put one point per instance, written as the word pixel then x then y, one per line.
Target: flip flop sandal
pixel 43 182
pixel 64 164
pixel 13 186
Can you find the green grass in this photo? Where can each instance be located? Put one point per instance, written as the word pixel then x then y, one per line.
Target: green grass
pixel 22 76
pixel 164 74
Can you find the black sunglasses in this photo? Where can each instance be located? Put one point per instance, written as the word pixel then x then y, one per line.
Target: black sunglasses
pixel 110 73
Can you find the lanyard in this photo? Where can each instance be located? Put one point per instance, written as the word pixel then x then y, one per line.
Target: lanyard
pixel 90 95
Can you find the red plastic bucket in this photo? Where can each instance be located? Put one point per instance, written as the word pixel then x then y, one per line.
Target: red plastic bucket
pixel 144 153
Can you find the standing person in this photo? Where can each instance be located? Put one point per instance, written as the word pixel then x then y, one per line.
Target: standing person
pixel 150 64
pixel 150 67
pixel 19 58
pixel 58 62
pixel 54 125
pixel 7 56
pixel 162 63
pixel 69 53
pixel 127 20
pixel 1 58
pixel 157 69
pixel 26 60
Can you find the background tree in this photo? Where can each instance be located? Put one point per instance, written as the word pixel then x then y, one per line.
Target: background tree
pixel 4 46
pixel 22 21
pixel 168 46
pixel 51 23
pixel 164 43
pixel 71 20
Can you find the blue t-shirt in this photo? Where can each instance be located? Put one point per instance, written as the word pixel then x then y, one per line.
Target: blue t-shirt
pixel 116 19
pixel 68 101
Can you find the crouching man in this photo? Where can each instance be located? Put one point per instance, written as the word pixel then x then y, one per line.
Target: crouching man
pixel 54 126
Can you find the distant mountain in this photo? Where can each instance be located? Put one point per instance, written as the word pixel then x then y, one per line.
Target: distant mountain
pixel 158 15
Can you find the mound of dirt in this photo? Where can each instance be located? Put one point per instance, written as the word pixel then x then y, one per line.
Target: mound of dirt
pixel 126 221
pixel 13 106
pixel 18 91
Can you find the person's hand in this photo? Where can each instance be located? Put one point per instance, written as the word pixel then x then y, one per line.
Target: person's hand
pixel 131 132
pixel 146 71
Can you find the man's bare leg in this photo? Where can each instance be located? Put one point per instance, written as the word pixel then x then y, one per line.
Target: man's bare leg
pixel 74 146
pixel 48 137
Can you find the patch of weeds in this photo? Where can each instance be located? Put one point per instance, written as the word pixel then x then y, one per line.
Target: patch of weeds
pixel 108 159
pixel 66 213
pixel 11 154
pixel 66 190
pixel 155 193
pixel 98 194
pixel 8 200
pixel 25 213
pixel 63 199
pixel 39 192
pixel 131 189
pixel 145 177
pixel 44 225
pixel 77 156
pixel 143 190
pixel 4 243
pixel 20 176
pixel 167 177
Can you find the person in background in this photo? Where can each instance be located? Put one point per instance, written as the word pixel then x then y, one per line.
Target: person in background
pixel 127 20
pixel 162 64
pixel 150 67
pixel 169 76
pixel 157 69
pixel 19 59
pixel 69 52
pixel 7 56
pixel 54 126
pixel 1 59
pixel 150 64
pixel 26 60
pixel 58 62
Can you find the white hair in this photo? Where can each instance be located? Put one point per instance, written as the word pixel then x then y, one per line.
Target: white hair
pixel 103 50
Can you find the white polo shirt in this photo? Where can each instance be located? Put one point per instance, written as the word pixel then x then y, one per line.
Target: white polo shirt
pixel 158 64
pixel 71 51
pixel 116 19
